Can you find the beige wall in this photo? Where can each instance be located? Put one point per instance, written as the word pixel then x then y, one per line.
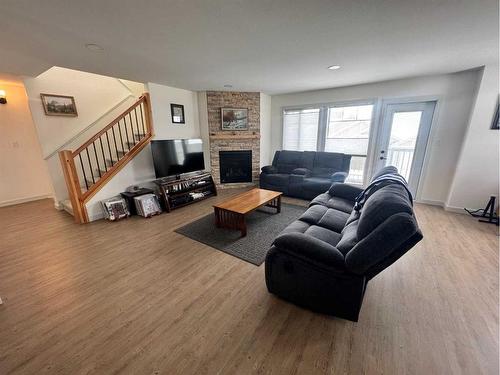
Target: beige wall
pixel 99 99
pixel 455 94
pixel 23 173
pixel 477 173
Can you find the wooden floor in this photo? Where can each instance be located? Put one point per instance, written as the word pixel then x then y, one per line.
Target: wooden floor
pixel 133 297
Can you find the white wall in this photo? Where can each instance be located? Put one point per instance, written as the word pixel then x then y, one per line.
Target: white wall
pixel 455 94
pixel 23 173
pixel 94 96
pixel 161 98
pixel 98 99
pixel 477 173
pixel 140 171
pixel 265 130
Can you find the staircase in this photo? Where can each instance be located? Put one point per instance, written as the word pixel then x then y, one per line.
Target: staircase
pixel 88 168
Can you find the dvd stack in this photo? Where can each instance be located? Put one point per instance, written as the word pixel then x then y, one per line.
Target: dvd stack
pixel 147 205
pixel 115 208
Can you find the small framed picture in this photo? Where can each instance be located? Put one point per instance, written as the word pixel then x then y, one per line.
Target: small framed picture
pixel 177 111
pixel 234 118
pixel 59 105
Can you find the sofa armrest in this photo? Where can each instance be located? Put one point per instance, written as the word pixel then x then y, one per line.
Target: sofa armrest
pixel 269 169
pixel 302 172
pixel 345 191
pixel 384 245
pixel 310 248
pixel 339 176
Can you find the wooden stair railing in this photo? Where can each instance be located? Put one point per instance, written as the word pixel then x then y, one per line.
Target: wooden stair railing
pixel 88 168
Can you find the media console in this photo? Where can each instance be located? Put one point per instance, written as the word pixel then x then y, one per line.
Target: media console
pixel 182 191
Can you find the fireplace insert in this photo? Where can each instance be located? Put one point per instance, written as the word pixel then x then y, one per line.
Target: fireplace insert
pixel 235 166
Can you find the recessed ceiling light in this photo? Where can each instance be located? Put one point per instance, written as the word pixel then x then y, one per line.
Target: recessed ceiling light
pixel 94 47
pixel 228 86
pixel 334 67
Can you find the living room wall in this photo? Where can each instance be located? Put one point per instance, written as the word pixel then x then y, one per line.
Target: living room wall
pixel 140 169
pixel 456 95
pixel 23 172
pixel 98 99
pixel 477 173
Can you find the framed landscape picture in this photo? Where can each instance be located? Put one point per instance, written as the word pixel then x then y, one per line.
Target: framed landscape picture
pixel 177 112
pixel 59 105
pixel 234 118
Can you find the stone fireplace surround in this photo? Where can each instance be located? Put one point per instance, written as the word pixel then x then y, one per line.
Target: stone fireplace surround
pixel 221 140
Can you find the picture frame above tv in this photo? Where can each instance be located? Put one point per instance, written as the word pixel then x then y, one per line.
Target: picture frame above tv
pixel 177 113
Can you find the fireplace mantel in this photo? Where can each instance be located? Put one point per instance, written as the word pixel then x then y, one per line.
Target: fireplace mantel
pixel 234 136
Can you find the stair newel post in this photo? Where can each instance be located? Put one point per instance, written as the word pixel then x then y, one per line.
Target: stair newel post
pixel 149 114
pixel 73 186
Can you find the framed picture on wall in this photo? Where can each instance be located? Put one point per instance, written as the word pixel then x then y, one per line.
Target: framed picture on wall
pixel 177 112
pixel 59 105
pixel 234 118
pixel 496 119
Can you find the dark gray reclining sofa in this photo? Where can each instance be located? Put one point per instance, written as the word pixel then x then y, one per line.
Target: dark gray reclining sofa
pixel 324 260
pixel 304 174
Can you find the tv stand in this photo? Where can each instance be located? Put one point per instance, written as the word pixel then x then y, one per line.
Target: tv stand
pixel 184 190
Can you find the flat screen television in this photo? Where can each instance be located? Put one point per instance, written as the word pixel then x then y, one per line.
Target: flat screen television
pixel 174 157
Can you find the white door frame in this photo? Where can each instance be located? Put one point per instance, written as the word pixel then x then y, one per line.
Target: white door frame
pixel 422 150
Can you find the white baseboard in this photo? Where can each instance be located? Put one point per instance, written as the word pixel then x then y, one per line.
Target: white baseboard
pixel 13 202
pixel 458 210
pixel 431 202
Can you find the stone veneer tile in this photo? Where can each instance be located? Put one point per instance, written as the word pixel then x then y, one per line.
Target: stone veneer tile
pixel 216 100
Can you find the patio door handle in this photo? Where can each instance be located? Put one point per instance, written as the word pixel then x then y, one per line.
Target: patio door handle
pixel 382 158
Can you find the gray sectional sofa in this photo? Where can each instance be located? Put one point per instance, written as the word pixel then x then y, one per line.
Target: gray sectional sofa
pixel 324 260
pixel 304 174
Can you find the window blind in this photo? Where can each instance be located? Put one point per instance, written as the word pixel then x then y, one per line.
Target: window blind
pixel 300 129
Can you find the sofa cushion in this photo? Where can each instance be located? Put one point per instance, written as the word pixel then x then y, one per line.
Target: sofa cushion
pixel 269 169
pixel 319 184
pixel 387 201
pixel 349 238
pixel 333 220
pixel 313 214
pixel 326 163
pixel 301 171
pixel 297 226
pixel 310 249
pixel 345 191
pixel 287 161
pixel 327 200
pixel 341 204
pixel 277 179
pixel 323 234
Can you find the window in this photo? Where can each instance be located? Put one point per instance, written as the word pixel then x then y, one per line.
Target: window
pixel 333 128
pixel 300 129
pixel 348 132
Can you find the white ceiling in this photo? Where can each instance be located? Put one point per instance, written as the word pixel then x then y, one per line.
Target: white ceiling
pixel 274 46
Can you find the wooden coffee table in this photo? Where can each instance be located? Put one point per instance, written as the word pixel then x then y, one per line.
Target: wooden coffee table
pixel 231 213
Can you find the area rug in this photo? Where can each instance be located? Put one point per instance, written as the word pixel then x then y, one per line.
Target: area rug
pixel 263 225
